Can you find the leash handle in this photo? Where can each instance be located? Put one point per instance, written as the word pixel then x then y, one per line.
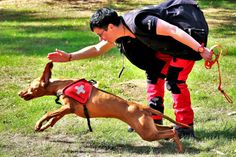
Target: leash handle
pixel 213 49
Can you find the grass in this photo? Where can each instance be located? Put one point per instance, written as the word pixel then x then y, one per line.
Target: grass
pixel 32 29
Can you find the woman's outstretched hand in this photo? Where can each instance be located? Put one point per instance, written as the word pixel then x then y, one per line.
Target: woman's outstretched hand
pixel 59 56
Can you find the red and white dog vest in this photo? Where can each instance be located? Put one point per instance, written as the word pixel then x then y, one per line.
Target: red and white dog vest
pixel 79 90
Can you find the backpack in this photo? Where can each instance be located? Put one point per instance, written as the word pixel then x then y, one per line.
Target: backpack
pixel 182 13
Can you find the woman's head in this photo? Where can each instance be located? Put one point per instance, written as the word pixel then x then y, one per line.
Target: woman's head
pixel 105 23
pixel 103 17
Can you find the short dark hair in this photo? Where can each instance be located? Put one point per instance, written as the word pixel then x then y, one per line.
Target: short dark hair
pixel 103 17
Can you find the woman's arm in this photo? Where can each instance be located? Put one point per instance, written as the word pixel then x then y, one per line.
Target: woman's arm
pixel 167 29
pixel 87 52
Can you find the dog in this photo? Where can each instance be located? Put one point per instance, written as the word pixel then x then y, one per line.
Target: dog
pixel 99 104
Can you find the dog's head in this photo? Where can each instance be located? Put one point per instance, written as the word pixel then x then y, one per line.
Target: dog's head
pixel 37 86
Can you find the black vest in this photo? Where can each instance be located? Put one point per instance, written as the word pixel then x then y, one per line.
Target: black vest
pixel 182 13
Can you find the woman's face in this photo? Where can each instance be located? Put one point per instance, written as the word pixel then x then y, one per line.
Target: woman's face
pixel 109 35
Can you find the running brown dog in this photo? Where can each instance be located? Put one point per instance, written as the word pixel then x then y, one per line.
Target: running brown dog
pixel 100 104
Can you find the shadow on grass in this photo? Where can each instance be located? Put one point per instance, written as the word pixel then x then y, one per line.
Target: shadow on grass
pixel 226 27
pixel 82 5
pixel 28 34
pixel 96 147
pixel 88 145
pixel 119 5
pixel 166 148
pixel 126 148
pixel 21 37
pixel 217 4
pixel 11 15
pixel 227 134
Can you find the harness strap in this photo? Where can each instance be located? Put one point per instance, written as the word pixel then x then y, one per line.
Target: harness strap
pixel 209 64
pixel 58 94
pixel 86 113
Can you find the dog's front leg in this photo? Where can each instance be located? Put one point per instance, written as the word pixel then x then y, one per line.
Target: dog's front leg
pixel 50 123
pixel 52 118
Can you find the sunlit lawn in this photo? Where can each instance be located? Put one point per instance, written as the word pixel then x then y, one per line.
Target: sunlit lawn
pixel 27 35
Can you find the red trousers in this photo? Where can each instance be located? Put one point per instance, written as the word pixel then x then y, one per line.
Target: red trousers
pixel 176 71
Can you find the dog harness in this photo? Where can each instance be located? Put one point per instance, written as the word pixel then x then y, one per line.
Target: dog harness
pixel 79 91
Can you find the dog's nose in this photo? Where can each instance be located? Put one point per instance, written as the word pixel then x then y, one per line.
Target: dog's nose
pixel 26 95
pixel 22 93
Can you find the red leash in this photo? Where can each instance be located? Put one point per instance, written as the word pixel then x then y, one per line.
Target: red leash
pixel 209 64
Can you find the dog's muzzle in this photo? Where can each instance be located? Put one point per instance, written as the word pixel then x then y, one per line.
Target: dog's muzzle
pixel 25 95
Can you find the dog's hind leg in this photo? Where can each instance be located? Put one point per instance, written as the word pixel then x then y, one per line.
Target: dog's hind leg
pixel 168 134
pixel 146 128
pixel 171 134
pixel 52 118
pixel 176 139
pixel 163 127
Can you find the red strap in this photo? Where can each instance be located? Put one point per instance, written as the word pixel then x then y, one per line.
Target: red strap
pixel 209 64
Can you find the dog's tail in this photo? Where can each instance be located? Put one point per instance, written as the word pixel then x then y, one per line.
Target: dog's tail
pixel 167 117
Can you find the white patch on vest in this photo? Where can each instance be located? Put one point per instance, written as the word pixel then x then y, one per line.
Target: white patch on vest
pixel 149 25
pixel 80 89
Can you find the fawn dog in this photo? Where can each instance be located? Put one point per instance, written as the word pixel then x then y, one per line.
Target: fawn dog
pixel 100 104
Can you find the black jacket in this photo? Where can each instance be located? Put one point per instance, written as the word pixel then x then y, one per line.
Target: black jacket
pixel 183 13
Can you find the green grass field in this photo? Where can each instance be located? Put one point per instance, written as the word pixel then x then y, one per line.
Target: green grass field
pixel 29 30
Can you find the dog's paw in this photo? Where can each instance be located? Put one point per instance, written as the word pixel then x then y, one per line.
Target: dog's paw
pixel 37 127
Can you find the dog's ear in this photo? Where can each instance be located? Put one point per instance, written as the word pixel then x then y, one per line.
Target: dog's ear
pixel 46 74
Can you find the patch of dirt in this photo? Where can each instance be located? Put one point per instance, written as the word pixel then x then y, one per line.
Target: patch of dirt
pixel 39 145
pixel 48 144
pixel 133 90
pixel 53 8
